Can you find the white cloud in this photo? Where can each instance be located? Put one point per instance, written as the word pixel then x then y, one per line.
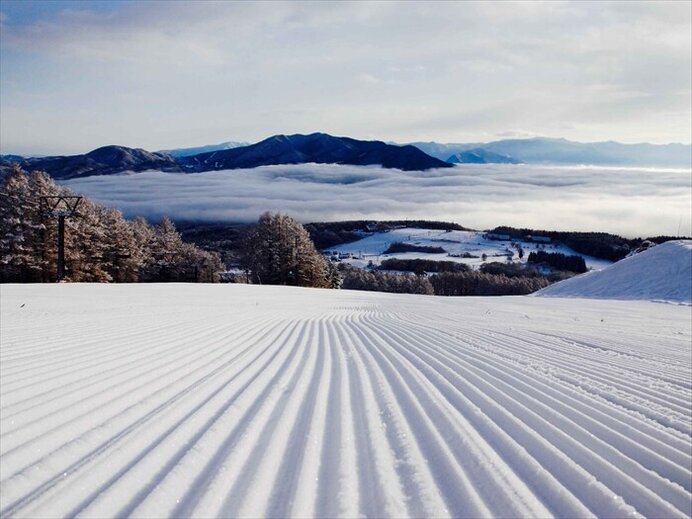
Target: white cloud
pixel 631 202
pixel 166 74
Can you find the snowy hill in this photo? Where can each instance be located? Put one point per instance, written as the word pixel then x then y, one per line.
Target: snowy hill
pixel 256 401
pixel 663 273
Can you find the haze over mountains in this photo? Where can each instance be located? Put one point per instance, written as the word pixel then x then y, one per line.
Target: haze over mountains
pixel 480 156
pixel 196 150
pixel 541 150
pixel 321 148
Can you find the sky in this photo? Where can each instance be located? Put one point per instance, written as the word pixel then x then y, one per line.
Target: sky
pixel 76 75
pixel 632 202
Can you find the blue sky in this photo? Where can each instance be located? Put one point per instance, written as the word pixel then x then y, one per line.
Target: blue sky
pixel 77 75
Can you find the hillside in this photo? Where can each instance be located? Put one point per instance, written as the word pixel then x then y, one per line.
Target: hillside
pixel 663 272
pixel 258 401
pixel 468 247
pixel 106 160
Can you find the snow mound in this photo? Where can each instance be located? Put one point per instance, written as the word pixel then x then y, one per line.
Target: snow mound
pixel 661 273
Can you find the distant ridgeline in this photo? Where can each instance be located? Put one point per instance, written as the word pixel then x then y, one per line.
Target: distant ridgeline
pixel 541 150
pixel 280 149
pixel 321 148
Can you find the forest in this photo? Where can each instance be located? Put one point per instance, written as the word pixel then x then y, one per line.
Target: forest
pixel 597 244
pixel 558 261
pixel 459 283
pixel 100 244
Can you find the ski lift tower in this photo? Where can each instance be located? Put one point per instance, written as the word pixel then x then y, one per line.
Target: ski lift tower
pixel 60 207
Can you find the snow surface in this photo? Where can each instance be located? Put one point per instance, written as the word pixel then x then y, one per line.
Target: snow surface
pixel 229 400
pixel 372 247
pixel 663 272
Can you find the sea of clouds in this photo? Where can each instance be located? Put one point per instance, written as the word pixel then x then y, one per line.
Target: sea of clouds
pixel 627 201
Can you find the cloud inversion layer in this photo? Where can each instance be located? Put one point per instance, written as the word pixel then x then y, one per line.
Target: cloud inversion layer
pixel 631 202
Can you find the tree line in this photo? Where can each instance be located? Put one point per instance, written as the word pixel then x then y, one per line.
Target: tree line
pixel 398 246
pixel 558 261
pixel 100 244
pixel 331 234
pixel 460 283
pixel 597 244
pixel 420 266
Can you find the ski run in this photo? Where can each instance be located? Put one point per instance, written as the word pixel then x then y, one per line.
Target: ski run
pixel 250 401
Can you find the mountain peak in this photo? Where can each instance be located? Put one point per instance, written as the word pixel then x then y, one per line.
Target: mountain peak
pixel 315 147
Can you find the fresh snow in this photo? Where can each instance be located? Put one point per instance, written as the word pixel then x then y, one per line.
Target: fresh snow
pixel 663 272
pixel 253 401
pixel 372 246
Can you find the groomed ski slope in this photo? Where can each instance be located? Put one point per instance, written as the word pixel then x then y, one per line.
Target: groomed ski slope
pixel 250 401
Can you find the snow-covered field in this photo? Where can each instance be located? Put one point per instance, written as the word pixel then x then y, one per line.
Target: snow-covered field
pixel 457 243
pixel 231 400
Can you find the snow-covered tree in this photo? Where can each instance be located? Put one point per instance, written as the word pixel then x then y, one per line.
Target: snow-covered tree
pixel 21 229
pixel 100 245
pixel 279 251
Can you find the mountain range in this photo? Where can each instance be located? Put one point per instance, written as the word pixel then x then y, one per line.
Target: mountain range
pixel 327 149
pixel 542 150
pixel 537 150
pixel 279 149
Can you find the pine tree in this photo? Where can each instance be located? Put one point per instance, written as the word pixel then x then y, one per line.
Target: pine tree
pixel 279 251
pixel 20 229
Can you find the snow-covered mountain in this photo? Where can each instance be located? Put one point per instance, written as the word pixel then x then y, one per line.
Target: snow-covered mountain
pixel 663 272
